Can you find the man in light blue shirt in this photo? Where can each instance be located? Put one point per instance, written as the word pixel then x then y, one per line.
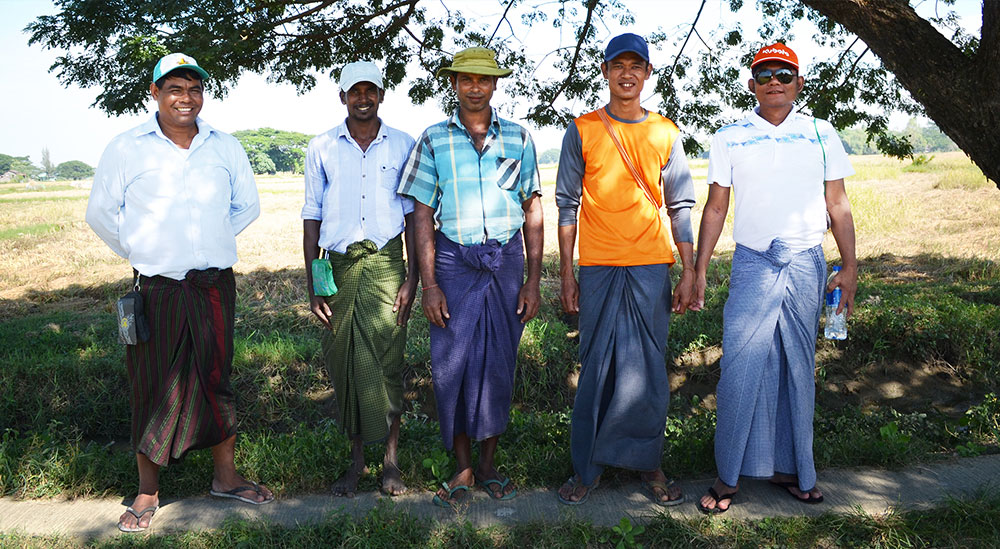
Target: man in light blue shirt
pixel 353 212
pixel 474 176
pixel 170 196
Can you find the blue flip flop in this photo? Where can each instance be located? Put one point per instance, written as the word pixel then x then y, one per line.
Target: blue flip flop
pixel 447 503
pixel 573 482
pixel 497 493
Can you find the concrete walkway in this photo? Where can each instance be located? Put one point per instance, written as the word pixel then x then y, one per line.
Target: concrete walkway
pixel 846 491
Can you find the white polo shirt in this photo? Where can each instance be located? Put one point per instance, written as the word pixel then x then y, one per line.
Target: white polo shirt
pixel 777 174
pixel 169 210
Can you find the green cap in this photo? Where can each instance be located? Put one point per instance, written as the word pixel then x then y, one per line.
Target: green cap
pixel 176 61
pixel 475 61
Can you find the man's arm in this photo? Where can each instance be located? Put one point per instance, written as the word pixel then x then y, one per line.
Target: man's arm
pixel 434 303
pixel 569 190
pixel 244 203
pixel 713 218
pixel 530 298
pixel 107 197
pixel 406 293
pixel 842 226
pixel 569 288
pixel 678 196
pixel 310 248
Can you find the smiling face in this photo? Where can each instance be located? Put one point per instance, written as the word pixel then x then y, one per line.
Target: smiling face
pixel 362 101
pixel 179 101
pixel 626 75
pixel 774 95
pixel 474 90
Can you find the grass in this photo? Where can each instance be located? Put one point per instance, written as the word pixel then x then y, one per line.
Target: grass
pixel 968 523
pixel 915 381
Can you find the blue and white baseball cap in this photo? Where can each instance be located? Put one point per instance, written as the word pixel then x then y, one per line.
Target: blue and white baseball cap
pixel 176 61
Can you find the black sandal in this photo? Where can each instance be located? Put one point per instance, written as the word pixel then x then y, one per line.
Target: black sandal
pixel 715 495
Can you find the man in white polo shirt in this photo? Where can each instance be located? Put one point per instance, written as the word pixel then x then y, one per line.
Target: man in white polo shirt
pixel 787 171
pixel 170 196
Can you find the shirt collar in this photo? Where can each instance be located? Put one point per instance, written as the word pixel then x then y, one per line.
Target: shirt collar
pixel 152 126
pixel 757 120
pixel 494 120
pixel 343 131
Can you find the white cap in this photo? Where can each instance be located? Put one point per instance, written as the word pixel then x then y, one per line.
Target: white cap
pixel 360 71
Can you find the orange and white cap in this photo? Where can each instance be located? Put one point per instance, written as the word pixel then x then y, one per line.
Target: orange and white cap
pixel 776 52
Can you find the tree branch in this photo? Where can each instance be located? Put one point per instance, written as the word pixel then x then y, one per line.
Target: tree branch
pixel 503 18
pixel 591 6
pixel 681 51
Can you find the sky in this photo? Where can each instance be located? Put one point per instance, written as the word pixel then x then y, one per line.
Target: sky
pixel 40 113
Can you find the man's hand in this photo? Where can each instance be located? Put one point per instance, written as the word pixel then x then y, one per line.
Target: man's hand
pixel 698 302
pixel 569 294
pixel 528 301
pixel 322 311
pixel 847 280
pixel 684 293
pixel 404 301
pixel 435 306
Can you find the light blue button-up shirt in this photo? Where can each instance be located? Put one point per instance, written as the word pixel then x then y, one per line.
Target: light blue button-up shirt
pixel 169 210
pixel 477 196
pixel 353 192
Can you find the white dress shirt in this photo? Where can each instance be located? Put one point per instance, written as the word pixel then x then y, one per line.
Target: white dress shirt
pixel 169 210
pixel 353 192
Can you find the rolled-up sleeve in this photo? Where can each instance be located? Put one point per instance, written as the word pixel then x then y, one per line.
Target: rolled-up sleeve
pixel 244 206
pixel 531 181
pixel 678 193
pixel 419 179
pixel 107 198
pixel 569 178
pixel 315 179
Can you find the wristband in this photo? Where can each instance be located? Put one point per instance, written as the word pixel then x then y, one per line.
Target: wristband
pixel 425 288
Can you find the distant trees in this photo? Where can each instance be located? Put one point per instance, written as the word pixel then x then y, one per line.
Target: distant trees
pixel 924 138
pixel 47 167
pixel 271 150
pixel 20 165
pixel 73 169
pixel 550 156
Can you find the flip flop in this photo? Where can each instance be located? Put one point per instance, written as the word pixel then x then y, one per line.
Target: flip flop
pixel 448 503
pixel 786 484
pixel 573 482
pixel 653 485
pixel 138 516
pixel 234 494
pixel 715 495
pixel 497 493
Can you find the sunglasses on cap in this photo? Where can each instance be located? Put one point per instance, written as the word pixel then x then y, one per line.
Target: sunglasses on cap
pixel 784 75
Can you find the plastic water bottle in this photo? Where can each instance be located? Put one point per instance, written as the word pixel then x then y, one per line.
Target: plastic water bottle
pixel 836 324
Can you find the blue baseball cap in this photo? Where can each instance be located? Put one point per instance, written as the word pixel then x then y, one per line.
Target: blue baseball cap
pixel 627 42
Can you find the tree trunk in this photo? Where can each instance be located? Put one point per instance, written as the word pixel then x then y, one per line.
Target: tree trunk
pixel 961 94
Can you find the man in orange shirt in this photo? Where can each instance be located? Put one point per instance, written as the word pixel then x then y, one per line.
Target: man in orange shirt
pixel 623 296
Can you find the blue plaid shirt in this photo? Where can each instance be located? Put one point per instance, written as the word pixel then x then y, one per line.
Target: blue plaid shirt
pixel 477 196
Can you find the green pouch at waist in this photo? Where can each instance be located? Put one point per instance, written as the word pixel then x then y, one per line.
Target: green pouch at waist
pixel 323 284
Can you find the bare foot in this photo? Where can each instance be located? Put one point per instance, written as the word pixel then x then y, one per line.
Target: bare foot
pixel 500 489
pixel 662 488
pixel 464 477
pixel 347 484
pixel 392 480
pixel 128 522
pixel 256 492
pixel 708 503
pixel 574 490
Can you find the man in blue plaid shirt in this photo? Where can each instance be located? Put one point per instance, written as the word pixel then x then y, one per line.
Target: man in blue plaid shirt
pixel 476 189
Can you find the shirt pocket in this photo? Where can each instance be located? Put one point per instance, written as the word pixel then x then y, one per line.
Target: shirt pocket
pixel 508 173
pixel 388 177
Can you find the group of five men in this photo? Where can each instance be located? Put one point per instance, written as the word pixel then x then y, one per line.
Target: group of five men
pixel 464 201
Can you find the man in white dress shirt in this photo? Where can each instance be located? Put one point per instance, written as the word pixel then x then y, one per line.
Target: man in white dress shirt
pixel 353 212
pixel 170 196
